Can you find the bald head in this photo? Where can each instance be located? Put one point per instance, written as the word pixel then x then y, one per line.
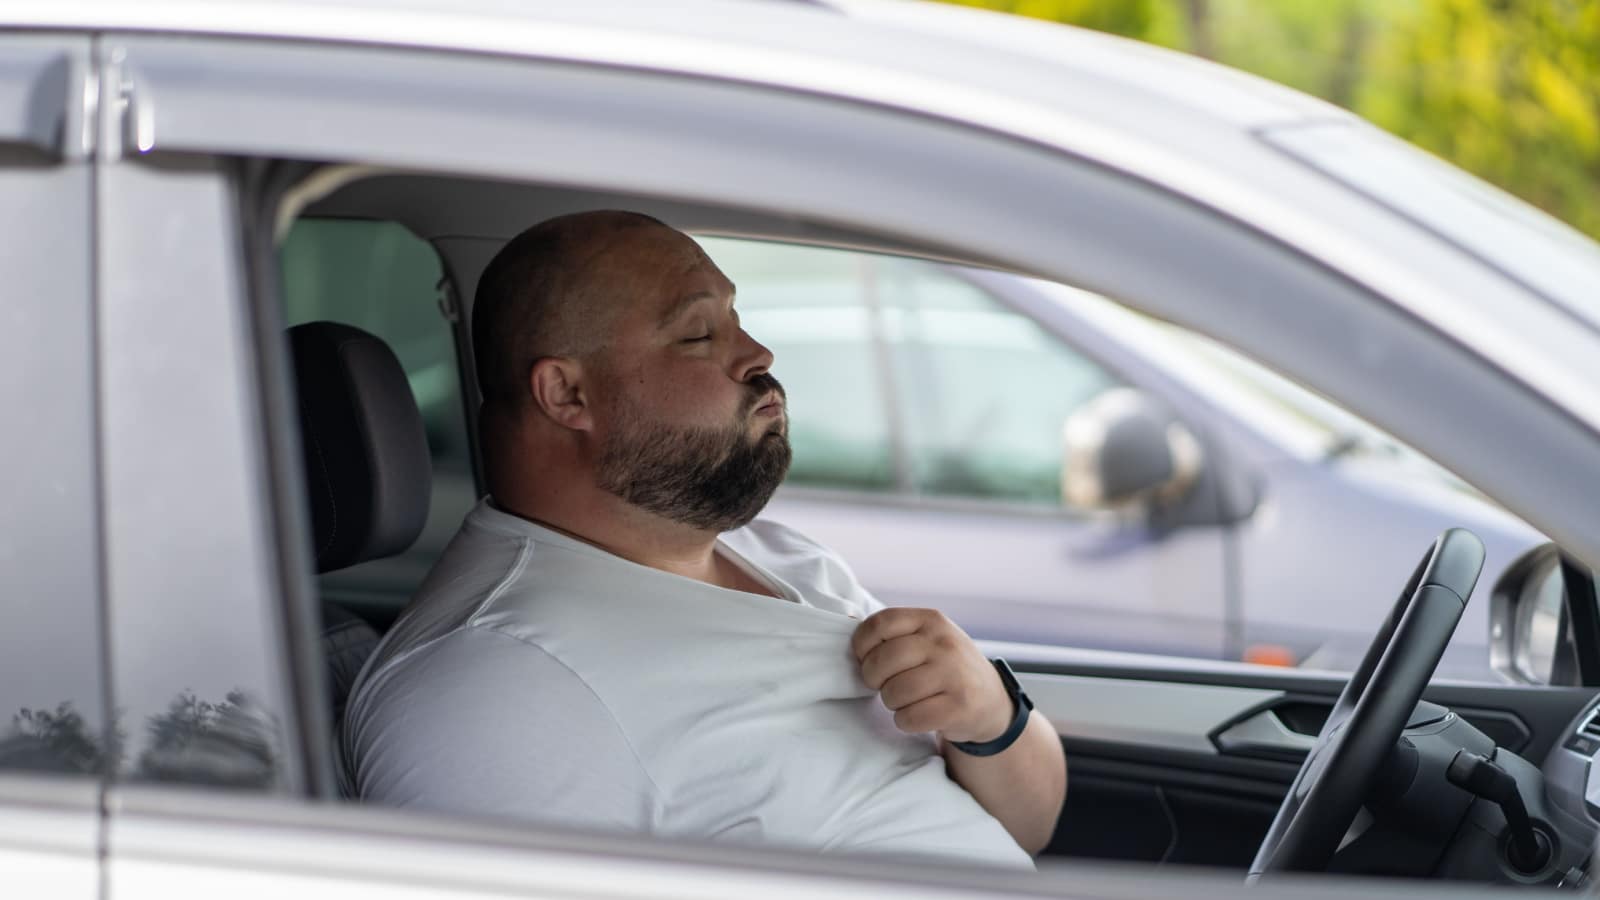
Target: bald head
pixel 618 382
pixel 554 289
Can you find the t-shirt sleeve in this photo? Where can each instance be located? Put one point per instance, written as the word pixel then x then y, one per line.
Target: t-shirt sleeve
pixel 482 723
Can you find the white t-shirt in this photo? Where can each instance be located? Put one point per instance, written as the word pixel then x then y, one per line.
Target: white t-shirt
pixel 539 678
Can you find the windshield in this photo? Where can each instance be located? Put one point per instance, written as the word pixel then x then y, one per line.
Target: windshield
pixel 1506 233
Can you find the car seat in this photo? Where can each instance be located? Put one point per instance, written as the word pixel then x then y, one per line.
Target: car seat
pixel 368 473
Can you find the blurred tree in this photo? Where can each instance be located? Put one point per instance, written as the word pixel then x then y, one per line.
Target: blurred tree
pixel 1130 18
pixel 1506 89
pixel 228 743
pixel 58 740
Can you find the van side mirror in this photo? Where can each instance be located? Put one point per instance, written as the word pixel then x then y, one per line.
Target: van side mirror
pixel 1543 625
pixel 1124 449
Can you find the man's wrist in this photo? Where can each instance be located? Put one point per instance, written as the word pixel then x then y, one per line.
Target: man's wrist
pixel 1020 708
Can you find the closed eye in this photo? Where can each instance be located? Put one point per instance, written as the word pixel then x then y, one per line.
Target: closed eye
pixel 696 340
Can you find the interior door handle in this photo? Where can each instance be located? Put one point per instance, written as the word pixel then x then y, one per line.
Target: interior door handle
pixel 1264 733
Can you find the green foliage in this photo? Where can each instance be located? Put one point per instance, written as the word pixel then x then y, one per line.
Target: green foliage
pixel 1509 91
pixel 1506 89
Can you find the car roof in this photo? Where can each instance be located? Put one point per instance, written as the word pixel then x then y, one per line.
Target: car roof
pixel 987 53
pixel 1153 113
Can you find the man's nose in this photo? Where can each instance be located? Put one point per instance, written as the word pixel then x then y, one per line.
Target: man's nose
pixel 754 358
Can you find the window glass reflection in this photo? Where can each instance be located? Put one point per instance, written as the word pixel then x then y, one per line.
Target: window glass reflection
pixel 52 709
pixel 1540 623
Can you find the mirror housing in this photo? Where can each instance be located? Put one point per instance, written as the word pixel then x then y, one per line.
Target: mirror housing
pixel 1543 621
pixel 1124 449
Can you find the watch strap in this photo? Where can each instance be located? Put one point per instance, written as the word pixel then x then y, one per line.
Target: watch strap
pixel 1021 707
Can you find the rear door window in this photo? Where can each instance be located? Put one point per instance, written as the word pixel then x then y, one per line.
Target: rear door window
pixel 53 715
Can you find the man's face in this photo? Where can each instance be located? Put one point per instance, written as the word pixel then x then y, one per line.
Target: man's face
pixel 692 426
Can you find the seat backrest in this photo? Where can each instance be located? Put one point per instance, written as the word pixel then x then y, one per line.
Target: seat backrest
pixel 368 473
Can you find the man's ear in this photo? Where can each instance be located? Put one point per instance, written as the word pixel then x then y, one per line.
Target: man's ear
pixel 558 391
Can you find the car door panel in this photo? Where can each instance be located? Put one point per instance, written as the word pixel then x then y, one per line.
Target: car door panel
pixel 50 834
pixel 1168 762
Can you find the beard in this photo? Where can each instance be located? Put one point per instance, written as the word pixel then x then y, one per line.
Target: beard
pixel 714 479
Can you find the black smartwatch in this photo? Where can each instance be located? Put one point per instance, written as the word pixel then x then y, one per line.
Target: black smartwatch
pixel 1021 706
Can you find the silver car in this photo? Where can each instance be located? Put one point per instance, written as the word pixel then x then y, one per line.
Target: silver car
pixel 159 162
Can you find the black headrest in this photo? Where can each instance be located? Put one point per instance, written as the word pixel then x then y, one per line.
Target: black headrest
pixel 366 453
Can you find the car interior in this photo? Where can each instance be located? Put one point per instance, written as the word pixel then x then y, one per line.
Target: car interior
pixel 1480 782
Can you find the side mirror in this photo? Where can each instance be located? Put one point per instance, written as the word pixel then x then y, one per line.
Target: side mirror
pixel 1542 621
pixel 1124 449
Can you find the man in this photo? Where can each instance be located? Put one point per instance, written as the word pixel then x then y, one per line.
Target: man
pixel 614 641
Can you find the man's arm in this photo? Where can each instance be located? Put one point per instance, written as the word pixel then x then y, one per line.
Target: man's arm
pixel 1023 786
pixel 933 676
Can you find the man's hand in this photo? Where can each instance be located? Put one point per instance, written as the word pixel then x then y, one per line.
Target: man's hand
pixel 931 674
pixel 934 678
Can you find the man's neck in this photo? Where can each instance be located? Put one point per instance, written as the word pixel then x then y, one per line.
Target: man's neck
pixel 641 537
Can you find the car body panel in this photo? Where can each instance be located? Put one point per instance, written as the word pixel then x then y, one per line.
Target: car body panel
pixel 791 143
pixel 52 834
pixel 55 728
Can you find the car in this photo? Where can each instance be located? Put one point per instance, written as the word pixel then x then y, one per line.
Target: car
pixel 175 674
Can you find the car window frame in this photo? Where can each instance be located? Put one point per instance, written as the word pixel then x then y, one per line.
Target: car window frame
pixel 51 823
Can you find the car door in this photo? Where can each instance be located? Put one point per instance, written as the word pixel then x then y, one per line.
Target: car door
pixel 1176 762
pixel 823 159
pixel 57 738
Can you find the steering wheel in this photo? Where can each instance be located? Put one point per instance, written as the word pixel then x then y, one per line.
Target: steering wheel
pixel 1372 710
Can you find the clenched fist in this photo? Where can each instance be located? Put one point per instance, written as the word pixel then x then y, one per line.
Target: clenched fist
pixel 931 674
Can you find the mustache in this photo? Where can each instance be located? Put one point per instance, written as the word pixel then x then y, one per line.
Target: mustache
pixel 760 386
